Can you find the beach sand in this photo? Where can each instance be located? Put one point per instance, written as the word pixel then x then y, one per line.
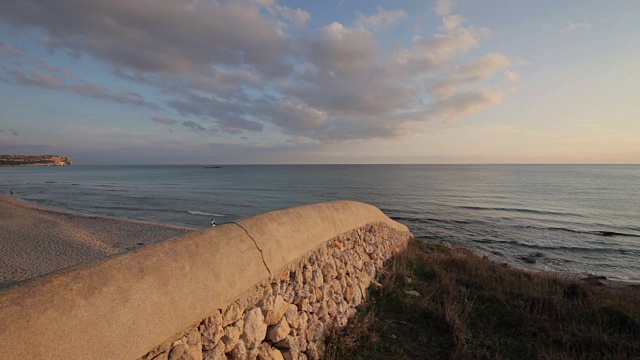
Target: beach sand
pixel 35 241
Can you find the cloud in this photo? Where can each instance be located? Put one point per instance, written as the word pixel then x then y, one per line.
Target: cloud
pixel 9 50
pixel 293 116
pixel 230 115
pixel 100 92
pixel 164 120
pixel 193 126
pixel 44 65
pixel 476 70
pixel 367 95
pixel 573 25
pixel 38 79
pixel 298 17
pixel 35 79
pixel 358 95
pixel 167 36
pixel 381 20
pixel 251 153
pixel 239 66
pixel 444 7
pixel 512 76
pixel 456 106
pixel 12 131
pixel 343 50
pixel 429 54
pixel 451 22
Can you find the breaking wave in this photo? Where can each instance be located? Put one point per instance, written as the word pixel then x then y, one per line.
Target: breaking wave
pixel 202 213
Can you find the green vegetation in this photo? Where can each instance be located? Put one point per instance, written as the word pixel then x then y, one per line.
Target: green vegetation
pixel 470 307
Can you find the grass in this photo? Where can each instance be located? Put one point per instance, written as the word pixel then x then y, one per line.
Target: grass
pixel 470 307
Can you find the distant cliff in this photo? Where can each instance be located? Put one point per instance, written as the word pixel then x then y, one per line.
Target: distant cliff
pixel 34 160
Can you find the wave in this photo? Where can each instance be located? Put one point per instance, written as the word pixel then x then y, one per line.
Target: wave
pixel 196 212
pixel 611 233
pixel 520 210
pixel 590 232
pixel 563 248
pixel 427 220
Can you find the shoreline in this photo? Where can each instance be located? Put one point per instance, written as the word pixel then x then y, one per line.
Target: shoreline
pixel 36 241
pixel 55 210
pixel 589 278
pixel 153 232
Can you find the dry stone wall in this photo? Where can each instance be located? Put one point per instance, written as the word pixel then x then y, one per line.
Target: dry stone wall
pixel 289 315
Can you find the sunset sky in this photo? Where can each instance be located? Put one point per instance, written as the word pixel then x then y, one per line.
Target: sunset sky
pixel 344 81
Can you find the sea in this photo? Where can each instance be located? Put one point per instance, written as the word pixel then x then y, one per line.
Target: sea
pixel 581 219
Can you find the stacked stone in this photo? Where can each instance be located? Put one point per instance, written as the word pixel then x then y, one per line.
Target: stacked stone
pixel 288 316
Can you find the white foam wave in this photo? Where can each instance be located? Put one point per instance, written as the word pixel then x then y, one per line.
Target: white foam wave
pixel 196 212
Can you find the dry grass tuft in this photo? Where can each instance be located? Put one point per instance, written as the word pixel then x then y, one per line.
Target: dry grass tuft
pixel 472 308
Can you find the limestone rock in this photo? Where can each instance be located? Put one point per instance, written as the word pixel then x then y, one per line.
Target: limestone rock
pixel 349 292
pixel 217 353
pixel 193 353
pixel 307 273
pixel 254 328
pixel 268 353
pixel 315 331
pixel 304 320
pixel 313 353
pixel 288 294
pixel 211 330
pixel 291 355
pixel 332 308
pixel 279 331
pixel 178 352
pixel 159 353
pixel 193 337
pixel 232 314
pixel 280 307
pixel 231 337
pixel 303 305
pixel 161 356
pixel 239 352
pixel 292 316
pixel 291 349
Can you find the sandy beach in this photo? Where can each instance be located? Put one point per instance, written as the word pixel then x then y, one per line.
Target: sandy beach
pixel 35 241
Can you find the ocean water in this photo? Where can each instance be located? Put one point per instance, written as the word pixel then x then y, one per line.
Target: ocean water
pixel 569 218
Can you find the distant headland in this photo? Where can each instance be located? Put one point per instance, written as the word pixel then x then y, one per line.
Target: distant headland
pixel 34 160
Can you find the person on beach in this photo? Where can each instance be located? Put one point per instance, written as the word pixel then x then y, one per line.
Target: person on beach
pixel 11 191
pixel 213 223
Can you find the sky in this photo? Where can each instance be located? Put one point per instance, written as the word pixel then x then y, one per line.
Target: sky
pixel 307 82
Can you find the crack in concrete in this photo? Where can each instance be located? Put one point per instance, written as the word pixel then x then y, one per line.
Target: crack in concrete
pixel 257 247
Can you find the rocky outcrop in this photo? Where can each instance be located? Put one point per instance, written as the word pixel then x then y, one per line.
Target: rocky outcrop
pixel 34 160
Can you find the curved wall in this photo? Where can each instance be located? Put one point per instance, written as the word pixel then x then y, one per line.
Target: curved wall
pixel 125 306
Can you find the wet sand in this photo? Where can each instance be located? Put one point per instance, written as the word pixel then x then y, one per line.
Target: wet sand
pixel 35 241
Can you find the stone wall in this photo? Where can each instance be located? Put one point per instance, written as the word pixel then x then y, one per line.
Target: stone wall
pixel 268 287
pixel 289 315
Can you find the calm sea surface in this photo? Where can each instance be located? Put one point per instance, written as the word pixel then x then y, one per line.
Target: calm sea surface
pixel 573 218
